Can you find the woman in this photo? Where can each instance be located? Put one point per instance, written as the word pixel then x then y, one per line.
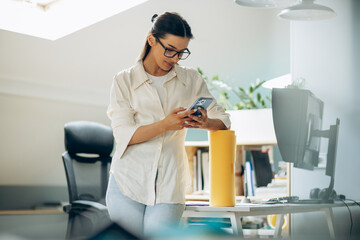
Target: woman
pixel 149 170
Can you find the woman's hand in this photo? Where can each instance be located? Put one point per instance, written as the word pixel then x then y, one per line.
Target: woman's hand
pixel 200 121
pixel 204 122
pixel 175 120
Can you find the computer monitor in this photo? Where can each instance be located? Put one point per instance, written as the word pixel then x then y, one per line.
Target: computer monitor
pixel 297 117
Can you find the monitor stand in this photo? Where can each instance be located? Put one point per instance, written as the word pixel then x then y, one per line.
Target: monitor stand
pixel 332 135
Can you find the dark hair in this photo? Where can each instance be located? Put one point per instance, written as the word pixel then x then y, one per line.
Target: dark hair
pixel 167 23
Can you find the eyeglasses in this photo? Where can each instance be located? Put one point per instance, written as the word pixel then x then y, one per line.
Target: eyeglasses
pixel 170 53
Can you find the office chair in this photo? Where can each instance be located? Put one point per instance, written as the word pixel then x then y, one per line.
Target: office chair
pixel 86 161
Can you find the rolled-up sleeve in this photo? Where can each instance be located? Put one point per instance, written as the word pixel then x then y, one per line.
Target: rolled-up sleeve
pixel 215 110
pixel 121 115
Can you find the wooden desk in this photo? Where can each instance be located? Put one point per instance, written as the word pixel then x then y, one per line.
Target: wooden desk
pixel 241 210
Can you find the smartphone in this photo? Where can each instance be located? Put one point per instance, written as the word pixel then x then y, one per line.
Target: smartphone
pixel 202 102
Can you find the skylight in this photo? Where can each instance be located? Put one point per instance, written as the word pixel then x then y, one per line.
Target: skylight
pixel 53 19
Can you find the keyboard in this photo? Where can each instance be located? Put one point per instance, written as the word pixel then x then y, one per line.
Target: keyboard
pixel 310 201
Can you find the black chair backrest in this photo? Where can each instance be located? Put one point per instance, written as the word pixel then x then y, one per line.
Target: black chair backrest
pixel 87 142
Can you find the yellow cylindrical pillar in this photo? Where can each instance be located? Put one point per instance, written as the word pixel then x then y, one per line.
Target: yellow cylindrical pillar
pixel 222 168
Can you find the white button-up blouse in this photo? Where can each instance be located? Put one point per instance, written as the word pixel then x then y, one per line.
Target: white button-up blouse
pixel 135 102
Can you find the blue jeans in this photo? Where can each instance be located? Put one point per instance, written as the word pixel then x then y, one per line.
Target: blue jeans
pixel 138 218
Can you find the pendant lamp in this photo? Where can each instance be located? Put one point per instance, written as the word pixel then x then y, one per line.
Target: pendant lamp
pixel 307 10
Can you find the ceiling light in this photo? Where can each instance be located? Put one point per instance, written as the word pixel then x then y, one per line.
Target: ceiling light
pixel 306 10
pixel 266 3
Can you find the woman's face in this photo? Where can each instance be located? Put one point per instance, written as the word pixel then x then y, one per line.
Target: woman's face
pixel 173 44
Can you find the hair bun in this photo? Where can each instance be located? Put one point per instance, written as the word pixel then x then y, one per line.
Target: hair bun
pixel 154 17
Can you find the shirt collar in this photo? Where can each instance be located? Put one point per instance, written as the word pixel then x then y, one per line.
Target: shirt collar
pixel 179 72
pixel 141 77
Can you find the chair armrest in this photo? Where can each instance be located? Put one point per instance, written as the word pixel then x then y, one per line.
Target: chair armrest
pixel 82 205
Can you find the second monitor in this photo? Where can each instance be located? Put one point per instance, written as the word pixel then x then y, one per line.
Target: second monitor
pixel 298 116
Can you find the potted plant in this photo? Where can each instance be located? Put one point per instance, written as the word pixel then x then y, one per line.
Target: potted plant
pixel 247 99
pixel 250 112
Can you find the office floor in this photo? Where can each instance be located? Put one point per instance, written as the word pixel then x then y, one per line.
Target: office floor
pixel 33 226
pixel 51 224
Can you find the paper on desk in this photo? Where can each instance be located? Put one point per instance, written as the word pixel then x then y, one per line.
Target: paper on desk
pixel 197 203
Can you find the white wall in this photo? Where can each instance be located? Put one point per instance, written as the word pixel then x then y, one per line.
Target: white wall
pixel 327 54
pixel 44 84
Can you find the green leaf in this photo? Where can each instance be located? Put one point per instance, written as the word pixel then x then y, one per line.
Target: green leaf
pixel 259 84
pixel 253 104
pixel 224 94
pixel 251 89
pixel 216 77
pixel 263 103
pixel 240 105
pixel 242 90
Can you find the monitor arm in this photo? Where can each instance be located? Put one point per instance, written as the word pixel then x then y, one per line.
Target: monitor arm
pixel 332 135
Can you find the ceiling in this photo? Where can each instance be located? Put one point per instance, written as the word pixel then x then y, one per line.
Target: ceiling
pixel 53 19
